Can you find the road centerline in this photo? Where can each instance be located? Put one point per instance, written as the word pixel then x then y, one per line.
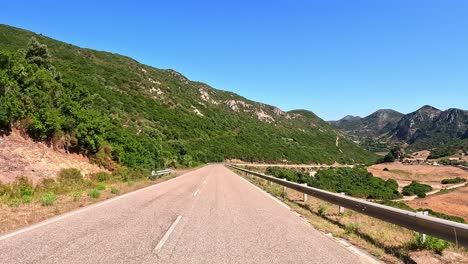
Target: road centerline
pixel 167 235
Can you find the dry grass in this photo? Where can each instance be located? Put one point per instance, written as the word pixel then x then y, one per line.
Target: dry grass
pixel 386 241
pixel 423 173
pixel 453 202
pixel 12 218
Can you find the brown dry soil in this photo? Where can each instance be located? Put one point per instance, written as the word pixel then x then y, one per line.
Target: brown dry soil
pixel 427 174
pixel 24 157
pixel 452 203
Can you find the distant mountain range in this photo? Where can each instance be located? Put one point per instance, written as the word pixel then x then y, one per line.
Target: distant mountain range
pixel 426 128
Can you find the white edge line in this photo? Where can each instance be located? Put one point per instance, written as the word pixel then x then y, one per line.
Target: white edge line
pixel 168 233
pixel 92 206
pixel 195 194
pixel 266 193
pixel 356 250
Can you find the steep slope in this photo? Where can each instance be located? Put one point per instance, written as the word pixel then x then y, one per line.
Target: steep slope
pixel 369 131
pixel 168 119
pixel 35 160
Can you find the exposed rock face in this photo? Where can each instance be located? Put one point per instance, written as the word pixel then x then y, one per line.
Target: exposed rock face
pixel 374 125
pixel 427 127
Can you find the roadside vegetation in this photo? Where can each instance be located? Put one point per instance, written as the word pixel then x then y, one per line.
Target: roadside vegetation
pixel 22 203
pixel 356 182
pixel 388 242
pixel 69 182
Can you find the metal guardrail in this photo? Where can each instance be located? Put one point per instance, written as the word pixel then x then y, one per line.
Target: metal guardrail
pixel 161 172
pixel 447 230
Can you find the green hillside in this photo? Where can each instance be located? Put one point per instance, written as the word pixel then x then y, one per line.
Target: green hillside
pixel 110 107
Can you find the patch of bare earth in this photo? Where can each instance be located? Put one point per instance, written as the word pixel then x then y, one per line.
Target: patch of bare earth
pixel 423 154
pixel 427 257
pixel 35 160
pixel 452 203
pixel 427 174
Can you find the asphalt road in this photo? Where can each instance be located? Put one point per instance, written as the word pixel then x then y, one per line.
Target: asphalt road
pixel 210 215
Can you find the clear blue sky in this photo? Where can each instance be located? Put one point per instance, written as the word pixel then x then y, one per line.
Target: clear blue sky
pixel 332 57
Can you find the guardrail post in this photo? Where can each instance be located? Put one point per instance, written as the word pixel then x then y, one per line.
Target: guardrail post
pixel 341 208
pixel 304 194
pixel 423 236
pixel 440 228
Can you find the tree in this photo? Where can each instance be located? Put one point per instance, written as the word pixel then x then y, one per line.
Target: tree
pixel 38 53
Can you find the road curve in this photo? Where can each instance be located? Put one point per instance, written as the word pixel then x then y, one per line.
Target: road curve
pixel 210 215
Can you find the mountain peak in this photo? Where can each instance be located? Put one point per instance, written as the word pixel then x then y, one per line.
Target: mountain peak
pixel 350 118
pixel 427 108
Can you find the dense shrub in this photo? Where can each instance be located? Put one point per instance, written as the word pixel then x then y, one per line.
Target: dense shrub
pixel 101 176
pixel 48 199
pixel 416 188
pixel 453 180
pixel 22 186
pixel 355 182
pixel 94 193
pixel 290 175
pixel 431 243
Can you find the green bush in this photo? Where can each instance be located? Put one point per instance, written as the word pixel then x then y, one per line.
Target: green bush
pixel 101 176
pixel 14 202
pixel 431 243
pixel 322 210
pixel 22 186
pixel 416 188
pixel 101 187
pixel 27 199
pixel 115 190
pixel 121 173
pixel 48 199
pixel 453 180
pixel 94 193
pixel 356 182
pixel 352 229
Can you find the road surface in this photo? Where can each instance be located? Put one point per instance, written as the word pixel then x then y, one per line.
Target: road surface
pixel 210 215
